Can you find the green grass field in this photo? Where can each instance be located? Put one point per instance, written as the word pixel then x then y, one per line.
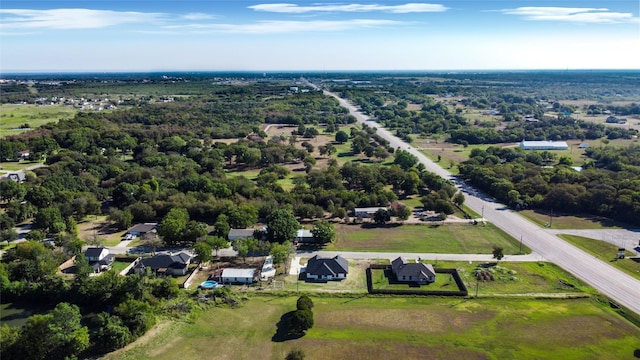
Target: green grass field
pixel 443 282
pixel 354 283
pixel 606 252
pixel 559 221
pixel 520 278
pixel 367 327
pixel 449 238
pixel 13 116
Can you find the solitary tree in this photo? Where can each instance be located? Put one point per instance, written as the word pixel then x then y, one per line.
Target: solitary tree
pixel 173 225
pixel 217 243
pixel 342 137
pixel 381 216
pixel 281 226
pixel 304 303
pixel 323 232
pixel 498 253
pixel 280 252
pixel 203 252
pixel 301 321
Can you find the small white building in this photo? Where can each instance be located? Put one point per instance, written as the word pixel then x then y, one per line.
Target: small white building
pixel 366 212
pixel 304 236
pixel 239 276
pixel 268 271
pixel 544 145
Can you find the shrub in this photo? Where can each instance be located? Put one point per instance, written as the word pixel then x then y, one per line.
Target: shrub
pixel 304 303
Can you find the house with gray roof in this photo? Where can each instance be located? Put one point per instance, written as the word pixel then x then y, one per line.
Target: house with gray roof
pixel 166 264
pixel 140 230
pixel 418 273
pixel 240 234
pixel 319 268
pixel 99 258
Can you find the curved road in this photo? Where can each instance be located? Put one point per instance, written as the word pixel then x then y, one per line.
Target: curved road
pixel 617 285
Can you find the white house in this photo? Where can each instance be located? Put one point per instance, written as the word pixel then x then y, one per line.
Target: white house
pixel 335 268
pixel 99 258
pixel 544 145
pixel 242 276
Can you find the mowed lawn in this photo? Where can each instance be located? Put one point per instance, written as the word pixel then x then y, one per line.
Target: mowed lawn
pixel 399 328
pixel 460 238
pixel 570 221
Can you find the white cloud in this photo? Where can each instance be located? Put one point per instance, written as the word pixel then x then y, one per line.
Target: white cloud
pixel 197 16
pixel 582 15
pixel 276 26
pixel 397 9
pixel 71 18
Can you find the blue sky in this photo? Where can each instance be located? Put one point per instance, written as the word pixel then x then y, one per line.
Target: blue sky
pixel 163 35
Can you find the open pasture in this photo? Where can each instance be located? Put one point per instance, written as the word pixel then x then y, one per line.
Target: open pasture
pixel 461 238
pixel 371 327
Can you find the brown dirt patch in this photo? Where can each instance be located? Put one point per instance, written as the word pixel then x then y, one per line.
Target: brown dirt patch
pixel 99 228
pixel 435 322
pixel 575 330
pixel 376 349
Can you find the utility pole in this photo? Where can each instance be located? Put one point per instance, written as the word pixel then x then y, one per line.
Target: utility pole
pixel 520 252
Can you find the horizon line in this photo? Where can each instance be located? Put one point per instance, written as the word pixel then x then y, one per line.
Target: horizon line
pixel 41 72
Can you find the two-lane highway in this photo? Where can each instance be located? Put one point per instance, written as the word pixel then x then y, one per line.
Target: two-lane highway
pixel 617 285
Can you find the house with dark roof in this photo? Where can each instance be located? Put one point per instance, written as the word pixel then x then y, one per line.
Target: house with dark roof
pixel 418 273
pixel 166 264
pixel 99 258
pixel 319 268
pixel 140 230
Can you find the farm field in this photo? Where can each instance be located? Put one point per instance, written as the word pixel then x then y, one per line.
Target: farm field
pixel 449 238
pixel 13 116
pixel 367 327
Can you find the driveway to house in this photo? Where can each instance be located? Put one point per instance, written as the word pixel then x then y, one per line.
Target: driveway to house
pixel 617 285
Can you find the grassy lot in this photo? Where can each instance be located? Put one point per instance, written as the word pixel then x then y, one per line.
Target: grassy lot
pixel 560 221
pixel 367 327
pixel 102 229
pixel 524 278
pixel 442 282
pixel 606 252
pixel 15 165
pixel 120 265
pixel 354 283
pixel 449 238
pixel 13 116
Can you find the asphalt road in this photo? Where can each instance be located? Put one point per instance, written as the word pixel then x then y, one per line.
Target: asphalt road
pixel 617 285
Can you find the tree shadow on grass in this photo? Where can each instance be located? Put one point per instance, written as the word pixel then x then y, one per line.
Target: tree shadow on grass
pixel 283 329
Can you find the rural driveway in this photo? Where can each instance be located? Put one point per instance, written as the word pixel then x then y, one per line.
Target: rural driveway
pixel 617 285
